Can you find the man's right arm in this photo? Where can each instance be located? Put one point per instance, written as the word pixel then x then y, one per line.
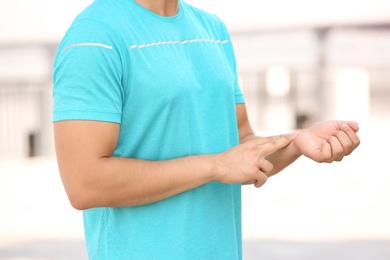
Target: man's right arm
pixel 92 177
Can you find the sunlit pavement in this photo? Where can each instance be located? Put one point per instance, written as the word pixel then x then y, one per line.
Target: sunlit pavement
pixel 310 211
pixel 253 250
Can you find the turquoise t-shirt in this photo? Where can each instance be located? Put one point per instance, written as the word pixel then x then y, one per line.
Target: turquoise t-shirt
pixel 171 83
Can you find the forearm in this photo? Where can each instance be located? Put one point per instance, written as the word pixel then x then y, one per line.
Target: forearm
pixel 283 158
pixel 116 182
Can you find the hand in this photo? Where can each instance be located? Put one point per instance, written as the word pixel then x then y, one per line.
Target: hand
pixel 328 141
pixel 246 162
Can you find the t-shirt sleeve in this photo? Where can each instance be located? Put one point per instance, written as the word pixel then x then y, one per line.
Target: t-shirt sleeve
pixel 239 97
pixel 87 75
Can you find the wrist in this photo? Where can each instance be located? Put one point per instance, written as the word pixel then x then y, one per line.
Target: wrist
pixel 294 150
pixel 208 165
pixel 248 137
pixel 216 167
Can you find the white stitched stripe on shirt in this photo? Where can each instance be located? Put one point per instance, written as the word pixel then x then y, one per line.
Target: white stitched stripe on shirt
pixel 82 44
pixel 135 46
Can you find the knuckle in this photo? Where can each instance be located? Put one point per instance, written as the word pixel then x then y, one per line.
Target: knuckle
pixel 328 158
pixel 251 171
pixel 338 150
pixel 357 142
pixel 271 141
pixel 349 144
pixel 262 178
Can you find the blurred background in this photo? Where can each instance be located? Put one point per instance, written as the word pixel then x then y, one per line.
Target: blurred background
pixel 299 62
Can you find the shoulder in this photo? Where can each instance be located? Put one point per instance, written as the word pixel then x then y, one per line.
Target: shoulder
pixel 101 12
pixel 95 24
pixel 206 17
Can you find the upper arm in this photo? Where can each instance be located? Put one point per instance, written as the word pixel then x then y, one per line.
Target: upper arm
pixel 244 126
pixel 87 95
pixel 79 145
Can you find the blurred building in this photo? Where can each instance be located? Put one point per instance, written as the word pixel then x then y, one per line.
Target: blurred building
pixel 293 77
pixel 290 77
pixel 25 99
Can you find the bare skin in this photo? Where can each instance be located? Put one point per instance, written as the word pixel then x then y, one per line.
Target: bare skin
pixel 92 177
pixel 161 7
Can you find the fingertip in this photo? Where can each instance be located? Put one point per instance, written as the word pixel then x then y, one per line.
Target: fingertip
pixel 258 183
pixel 291 135
pixel 354 125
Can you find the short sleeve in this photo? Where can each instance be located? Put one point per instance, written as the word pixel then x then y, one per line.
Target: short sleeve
pixel 87 74
pixel 239 97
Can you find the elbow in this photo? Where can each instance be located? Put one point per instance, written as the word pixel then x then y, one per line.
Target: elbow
pixel 80 200
pixel 84 187
pixel 79 203
pixel 80 195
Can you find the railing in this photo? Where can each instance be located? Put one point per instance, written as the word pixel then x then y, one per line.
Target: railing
pixel 25 114
pixel 312 97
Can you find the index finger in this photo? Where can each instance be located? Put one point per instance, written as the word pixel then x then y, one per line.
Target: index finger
pixel 271 144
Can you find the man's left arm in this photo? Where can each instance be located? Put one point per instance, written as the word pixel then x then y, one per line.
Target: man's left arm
pixel 281 158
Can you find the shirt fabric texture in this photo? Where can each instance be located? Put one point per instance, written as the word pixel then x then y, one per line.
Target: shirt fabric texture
pixel 171 84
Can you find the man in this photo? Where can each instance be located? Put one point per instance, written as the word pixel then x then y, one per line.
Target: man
pixel 152 136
